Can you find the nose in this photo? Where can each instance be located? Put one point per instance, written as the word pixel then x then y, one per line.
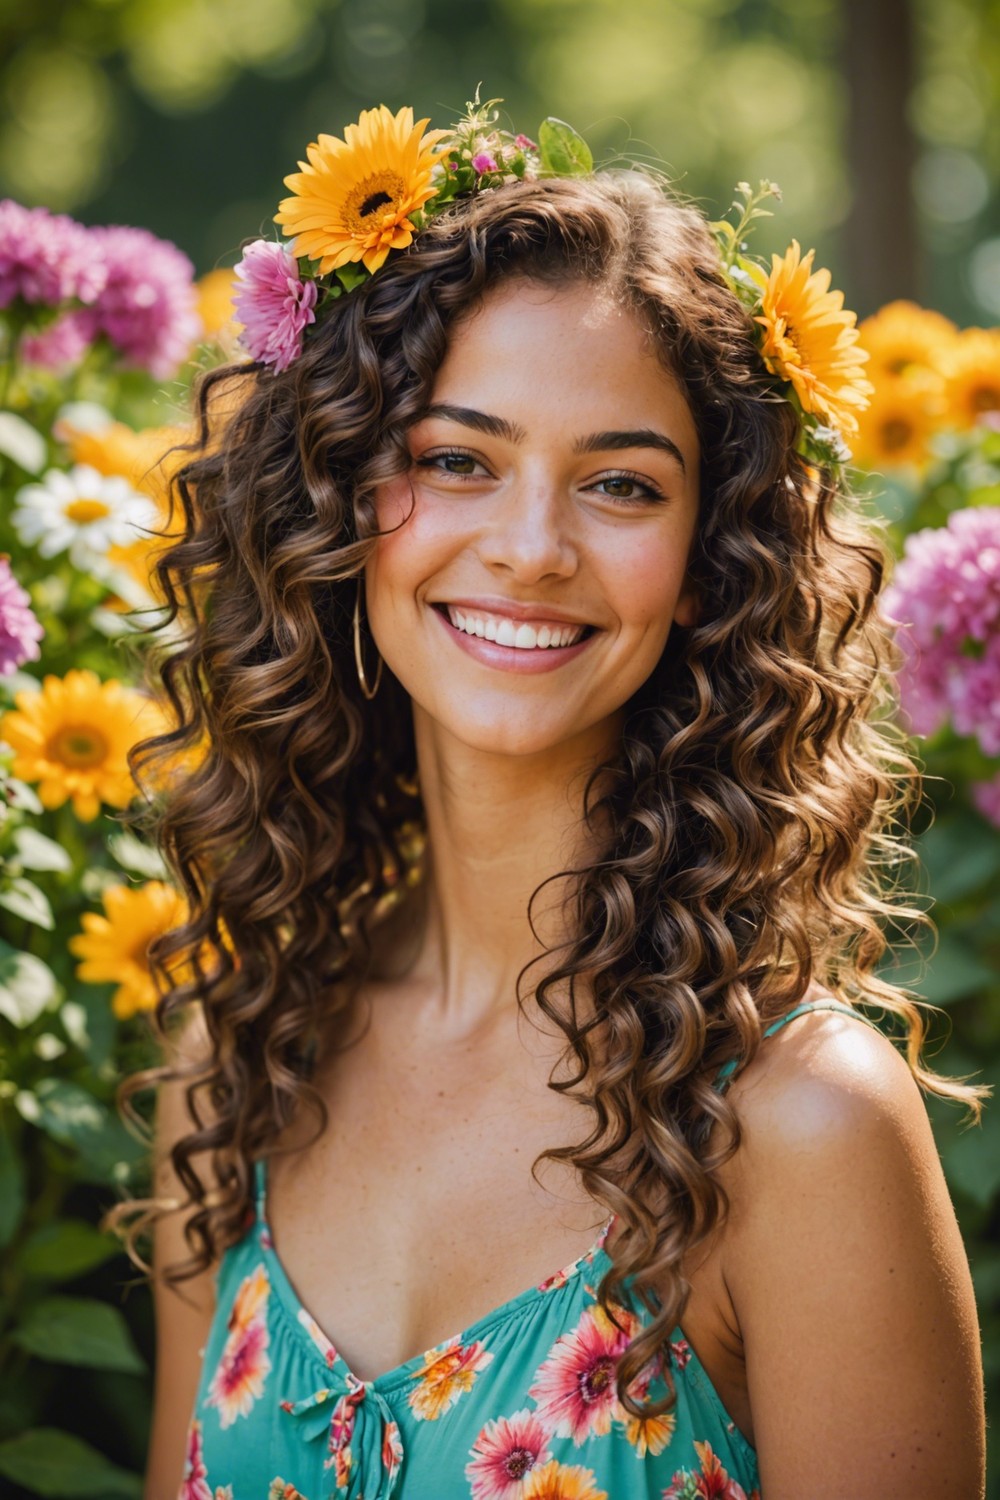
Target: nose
pixel 530 534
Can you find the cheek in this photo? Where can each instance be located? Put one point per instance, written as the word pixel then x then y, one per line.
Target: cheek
pixel 643 581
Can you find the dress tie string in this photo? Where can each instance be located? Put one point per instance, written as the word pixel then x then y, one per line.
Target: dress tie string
pixel 365 1451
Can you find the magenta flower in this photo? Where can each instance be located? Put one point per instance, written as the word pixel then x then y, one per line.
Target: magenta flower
pixel 20 632
pixel 47 259
pixel 149 309
pixel 63 343
pixel 483 162
pixel 525 142
pixel 505 1452
pixel 945 599
pixel 273 303
pixel 986 798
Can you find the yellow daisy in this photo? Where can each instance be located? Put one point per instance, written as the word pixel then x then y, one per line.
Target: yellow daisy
pixel 143 458
pixel 351 201
pixel 72 737
pixel 113 947
pixel 972 373
pixel 904 338
pixel 895 429
pixel 215 301
pixel 811 340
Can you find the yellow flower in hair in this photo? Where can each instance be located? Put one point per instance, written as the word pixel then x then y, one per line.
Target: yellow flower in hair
pixel 811 340
pixel 972 375
pixel 352 200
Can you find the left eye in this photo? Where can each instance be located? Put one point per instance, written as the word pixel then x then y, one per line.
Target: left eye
pixel 627 488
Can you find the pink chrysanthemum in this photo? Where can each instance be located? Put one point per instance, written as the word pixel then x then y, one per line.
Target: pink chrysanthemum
pixel 575 1387
pixel 505 1452
pixel 986 798
pixel 149 309
pixel 945 597
pixel 273 303
pixel 20 632
pixel 47 259
pixel 63 343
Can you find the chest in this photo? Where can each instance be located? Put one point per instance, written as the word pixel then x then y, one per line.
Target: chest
pixel 415 1212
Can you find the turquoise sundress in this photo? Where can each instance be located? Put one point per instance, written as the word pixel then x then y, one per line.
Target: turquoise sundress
pixel 521 1405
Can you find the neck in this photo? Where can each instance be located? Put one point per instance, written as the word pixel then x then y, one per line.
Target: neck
pixel 497 827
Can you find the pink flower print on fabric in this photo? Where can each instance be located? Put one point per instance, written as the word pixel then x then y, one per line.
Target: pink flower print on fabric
pixel 244 1364
pixel 712 1483
pixel 318 1337
pixel 575 1387
pixel 681 1352
pixel 273 303
pixel 340 1435
pixel 194 1485
pixel 447 1374
pixel 504 1454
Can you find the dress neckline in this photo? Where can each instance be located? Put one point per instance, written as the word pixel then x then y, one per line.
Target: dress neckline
pixel 325 1350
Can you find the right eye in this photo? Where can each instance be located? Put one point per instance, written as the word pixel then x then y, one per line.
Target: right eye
pixel 450 461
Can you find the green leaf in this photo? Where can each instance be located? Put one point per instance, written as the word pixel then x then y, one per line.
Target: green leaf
pixel 563 152
pixel 961 855
pixel 70 1114
pixel 12 1191
pixel 79 1331
pixel 132 854
pixel 351 275
pixel 37 852
pixel 27 986
pixel 24 899
pixel 50 1462
pixel 972 1157
pixel 60 1251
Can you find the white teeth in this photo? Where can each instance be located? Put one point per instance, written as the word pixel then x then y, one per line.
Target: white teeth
pixel 507 632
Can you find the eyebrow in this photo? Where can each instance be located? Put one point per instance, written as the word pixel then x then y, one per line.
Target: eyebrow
pixel 511 432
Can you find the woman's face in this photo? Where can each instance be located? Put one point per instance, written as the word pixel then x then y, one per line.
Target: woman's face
pixel 554 499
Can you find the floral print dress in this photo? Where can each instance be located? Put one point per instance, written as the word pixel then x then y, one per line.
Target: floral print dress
pixel 521 1405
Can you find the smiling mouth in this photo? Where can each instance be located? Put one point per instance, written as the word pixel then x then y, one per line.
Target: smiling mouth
pixel 517 634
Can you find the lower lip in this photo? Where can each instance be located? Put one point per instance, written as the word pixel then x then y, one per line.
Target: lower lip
pixel 514 658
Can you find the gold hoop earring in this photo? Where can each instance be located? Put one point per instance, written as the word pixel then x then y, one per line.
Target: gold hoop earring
pixel 362 679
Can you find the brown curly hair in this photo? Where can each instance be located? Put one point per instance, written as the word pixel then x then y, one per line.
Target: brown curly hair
pixel 754 802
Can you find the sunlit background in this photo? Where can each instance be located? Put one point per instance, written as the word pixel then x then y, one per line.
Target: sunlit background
pixel 874 116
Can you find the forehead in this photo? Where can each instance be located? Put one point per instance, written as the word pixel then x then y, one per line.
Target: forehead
pixel 566 353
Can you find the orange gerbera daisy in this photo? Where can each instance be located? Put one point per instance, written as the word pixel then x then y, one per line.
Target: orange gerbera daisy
pixel 556 1481
pixel 114 946
pixel 895 429
pixel 72 737
pixel 972 371
pixel 352 199
pixel 811 340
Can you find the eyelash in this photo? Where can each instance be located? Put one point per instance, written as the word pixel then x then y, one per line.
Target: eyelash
pixel 430 460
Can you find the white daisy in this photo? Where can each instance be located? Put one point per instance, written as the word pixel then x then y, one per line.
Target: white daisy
pixel 82 511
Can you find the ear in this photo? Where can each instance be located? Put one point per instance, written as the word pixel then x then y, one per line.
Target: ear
pixel 688 606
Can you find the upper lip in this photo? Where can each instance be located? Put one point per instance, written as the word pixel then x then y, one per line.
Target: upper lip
pixel 540 613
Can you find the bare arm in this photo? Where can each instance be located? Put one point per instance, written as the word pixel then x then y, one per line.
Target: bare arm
pixel 850 1280
pixel 181 1329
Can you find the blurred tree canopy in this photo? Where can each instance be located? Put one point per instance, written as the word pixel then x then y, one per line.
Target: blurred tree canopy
pixel 873 115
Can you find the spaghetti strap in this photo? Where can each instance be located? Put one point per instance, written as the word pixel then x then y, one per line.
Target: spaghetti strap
pixel 260 1189
pixel 727 1068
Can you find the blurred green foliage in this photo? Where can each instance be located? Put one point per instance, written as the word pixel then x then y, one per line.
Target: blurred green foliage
pixel 185 115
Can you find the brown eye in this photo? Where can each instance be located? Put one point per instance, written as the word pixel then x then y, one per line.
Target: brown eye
pixel 462 464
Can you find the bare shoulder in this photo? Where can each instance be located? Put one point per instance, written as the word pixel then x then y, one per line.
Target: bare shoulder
pixel 848 1276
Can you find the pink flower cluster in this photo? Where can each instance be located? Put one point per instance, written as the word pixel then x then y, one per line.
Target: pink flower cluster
pixel 137 290
pixel 273 303
pixel 46 259
pixel 945 598
pixel 20 632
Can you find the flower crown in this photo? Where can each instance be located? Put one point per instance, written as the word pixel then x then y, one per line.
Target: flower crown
pixel 357 201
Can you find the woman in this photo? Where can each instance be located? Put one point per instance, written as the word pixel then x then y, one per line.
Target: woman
pixel 537 849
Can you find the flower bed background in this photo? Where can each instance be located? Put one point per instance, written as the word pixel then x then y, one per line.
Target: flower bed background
pixel 104 330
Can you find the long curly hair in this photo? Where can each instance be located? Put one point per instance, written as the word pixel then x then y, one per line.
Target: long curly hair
pixel 756 802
